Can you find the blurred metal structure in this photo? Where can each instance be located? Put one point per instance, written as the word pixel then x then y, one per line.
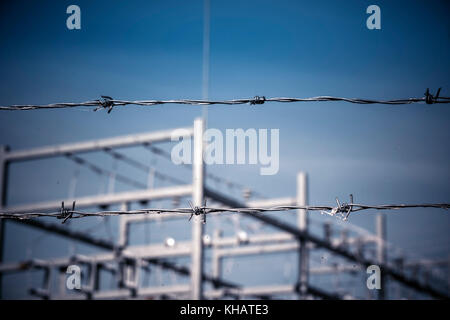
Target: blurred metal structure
pixel 129 263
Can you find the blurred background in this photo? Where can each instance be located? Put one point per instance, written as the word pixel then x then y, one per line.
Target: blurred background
pixel 154 50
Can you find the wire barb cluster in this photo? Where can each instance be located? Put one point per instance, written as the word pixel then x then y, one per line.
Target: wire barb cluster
pixel 108 103
pixel 66 214
pixel 341 211
pixel 198 211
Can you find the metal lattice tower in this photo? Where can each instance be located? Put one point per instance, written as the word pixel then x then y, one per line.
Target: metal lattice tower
pixel 129 264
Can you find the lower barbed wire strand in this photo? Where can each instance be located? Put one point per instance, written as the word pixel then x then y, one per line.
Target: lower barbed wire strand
pixel 350 207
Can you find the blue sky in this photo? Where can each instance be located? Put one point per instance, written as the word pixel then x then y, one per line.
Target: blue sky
pixel 153 50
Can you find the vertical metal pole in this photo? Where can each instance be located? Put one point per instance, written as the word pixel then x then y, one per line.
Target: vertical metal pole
pixel 151 178
pixel 448 274
pixel 124 270
pixel 302 223
pixel 47 285
pixel 344 239
pixel 381 251
pixel 399 265
pixel 91 287
pixel 123 226
pixel 197 221
pixel 3 195
pixel 62 282
pixel 216 259
pixel 98 274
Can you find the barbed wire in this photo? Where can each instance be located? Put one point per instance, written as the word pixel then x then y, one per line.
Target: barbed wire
pixel 341 211
pixel 108 103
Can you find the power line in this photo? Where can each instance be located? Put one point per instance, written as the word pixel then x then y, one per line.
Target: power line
pixel 109 103
pixel 341 210
pixel 165 177
pixel 141 166
pixel 124 179
pixel 101 171
pixel 231 184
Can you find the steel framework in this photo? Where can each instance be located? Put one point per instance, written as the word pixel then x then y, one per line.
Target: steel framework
pixel 128 262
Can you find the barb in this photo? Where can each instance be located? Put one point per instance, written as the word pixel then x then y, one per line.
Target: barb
pixel 430 99
pixel 341 209
pixel 198 211
pixel 258 100
pixel 66 213
pixel 108 103
pixel 338 211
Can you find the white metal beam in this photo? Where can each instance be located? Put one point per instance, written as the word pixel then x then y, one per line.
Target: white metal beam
pixel 107 199
pixel 95 145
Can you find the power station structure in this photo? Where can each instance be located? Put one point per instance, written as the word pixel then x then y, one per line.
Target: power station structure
pixel 203 276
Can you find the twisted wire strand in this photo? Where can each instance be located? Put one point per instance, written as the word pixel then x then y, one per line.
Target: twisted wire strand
pixel 204 210
pixel 109 103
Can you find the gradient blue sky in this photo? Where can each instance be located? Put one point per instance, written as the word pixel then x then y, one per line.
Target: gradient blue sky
pixel 153 50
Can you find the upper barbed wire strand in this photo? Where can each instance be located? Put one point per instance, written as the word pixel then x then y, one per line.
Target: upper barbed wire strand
pixel 109 103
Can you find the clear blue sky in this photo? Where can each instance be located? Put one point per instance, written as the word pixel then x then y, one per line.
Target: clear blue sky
pixel 153 50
